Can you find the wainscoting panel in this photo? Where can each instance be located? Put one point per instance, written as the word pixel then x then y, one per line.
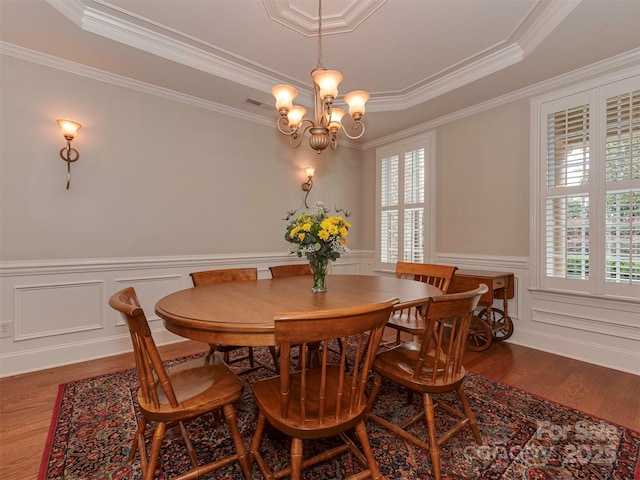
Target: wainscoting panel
pixel 600 331
pixel 57 309
pixel 587 324
pixel 149 289
pixel 56 312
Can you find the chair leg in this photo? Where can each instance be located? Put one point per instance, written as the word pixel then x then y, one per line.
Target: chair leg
pixel 377 383
pixel 243 458
pixel 251 356
pixel 469 413
pixel 254 453
pixel 139 434
pixel 187 441
pixel 296 458
pixel 434 449
pixel 361 432
pixel 158 436
pixel 276 360
pixel 409 396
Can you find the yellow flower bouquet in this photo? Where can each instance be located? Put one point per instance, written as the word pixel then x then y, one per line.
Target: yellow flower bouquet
pixel 320 237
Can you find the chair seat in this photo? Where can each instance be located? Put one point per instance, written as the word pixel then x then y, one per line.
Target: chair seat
pixel 407 320
pixel 432 366
pixel 321 399
pixel 200 385
pixel 267 397
pixel 399 363
pixel 170 397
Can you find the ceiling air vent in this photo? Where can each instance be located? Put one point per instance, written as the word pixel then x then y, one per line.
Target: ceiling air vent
pixel 258 103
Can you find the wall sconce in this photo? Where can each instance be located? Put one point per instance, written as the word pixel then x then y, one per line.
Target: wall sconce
pixel 308 185
pixel 69 154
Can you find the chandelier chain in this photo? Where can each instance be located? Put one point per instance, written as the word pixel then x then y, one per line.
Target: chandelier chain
pixel 320 34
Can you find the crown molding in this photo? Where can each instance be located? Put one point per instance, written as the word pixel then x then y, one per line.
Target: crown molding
pixel 118 80
pixel 177 47
pixel 544 24
pixel 628 59
pixel 347 20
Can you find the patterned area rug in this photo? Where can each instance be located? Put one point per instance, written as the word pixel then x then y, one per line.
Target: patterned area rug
pixel 525 437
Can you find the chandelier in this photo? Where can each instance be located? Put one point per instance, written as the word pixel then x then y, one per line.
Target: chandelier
pixel 327 121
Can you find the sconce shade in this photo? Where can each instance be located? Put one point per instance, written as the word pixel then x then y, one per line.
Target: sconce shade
pixel 284 95
pixel 327 81
pixel 68 153
pixel 308 185
pixel 356 101
pixel 69 128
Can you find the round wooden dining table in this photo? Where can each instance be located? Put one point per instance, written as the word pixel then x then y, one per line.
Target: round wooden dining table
pixel 242 313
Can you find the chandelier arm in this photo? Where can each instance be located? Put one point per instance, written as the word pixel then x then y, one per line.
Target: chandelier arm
pixel 283 125
pixel 333 140
pixel 357 125
pixel 295 138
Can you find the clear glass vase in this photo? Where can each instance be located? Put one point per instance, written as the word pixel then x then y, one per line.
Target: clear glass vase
pixel 319 270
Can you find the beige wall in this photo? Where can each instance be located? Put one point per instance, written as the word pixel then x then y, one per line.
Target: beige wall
pixel 163 188
pixel 482 184
pixel 482 174
pixel 155 176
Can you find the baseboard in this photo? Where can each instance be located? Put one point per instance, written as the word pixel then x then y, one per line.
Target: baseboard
pixel 597 354
pixel 67 354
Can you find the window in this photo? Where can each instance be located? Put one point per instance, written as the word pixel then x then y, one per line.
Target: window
pixel 405 200
pixel 588 196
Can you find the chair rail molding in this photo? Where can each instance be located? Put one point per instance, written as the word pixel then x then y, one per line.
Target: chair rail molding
pixel 55 312
pixel 40 330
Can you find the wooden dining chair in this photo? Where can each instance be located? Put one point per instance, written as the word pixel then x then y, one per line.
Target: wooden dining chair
pixel 432 366
pixel 174 396
pixel 292 270
pixel 408 319
pixel 326 400
pixel 210 277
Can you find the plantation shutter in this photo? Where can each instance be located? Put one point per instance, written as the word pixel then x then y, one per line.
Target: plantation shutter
pixel 404 182
pixel 389 191
pixel 588 228
pixel 567 204
pixel 622 167
pixel 414 206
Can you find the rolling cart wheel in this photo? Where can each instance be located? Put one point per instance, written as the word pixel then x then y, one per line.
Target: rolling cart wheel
pixel 480 337
pixel 502 325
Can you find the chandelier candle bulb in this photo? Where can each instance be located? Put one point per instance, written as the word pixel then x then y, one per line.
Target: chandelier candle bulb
pixel 356 101
pixel 336 118
pixel 327 82
pixel 295 116
pixel 284 97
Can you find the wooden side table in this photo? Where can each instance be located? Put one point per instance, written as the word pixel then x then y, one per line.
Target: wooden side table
pixel 490 323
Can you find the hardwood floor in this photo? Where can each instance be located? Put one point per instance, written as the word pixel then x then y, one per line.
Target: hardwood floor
pixel 27 401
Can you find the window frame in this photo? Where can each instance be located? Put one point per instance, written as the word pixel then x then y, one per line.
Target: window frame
pixel 399 148
pixel 594 93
